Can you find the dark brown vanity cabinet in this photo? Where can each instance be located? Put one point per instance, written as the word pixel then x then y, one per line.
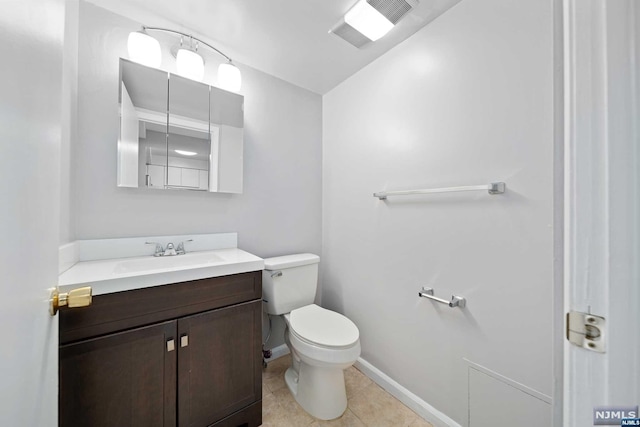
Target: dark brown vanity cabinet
pixel 122 379
pixel 186 354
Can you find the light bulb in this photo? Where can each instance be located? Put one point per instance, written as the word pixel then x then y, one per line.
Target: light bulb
pixel 229 77
pixel 144 49
pixel 368 21
pixel 190 64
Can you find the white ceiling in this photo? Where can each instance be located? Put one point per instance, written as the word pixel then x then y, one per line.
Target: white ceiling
pixel 288 39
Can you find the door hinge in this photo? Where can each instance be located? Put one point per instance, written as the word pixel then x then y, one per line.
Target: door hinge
pixel 587 331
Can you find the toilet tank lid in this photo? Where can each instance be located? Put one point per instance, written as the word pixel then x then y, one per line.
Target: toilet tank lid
pixel 288 261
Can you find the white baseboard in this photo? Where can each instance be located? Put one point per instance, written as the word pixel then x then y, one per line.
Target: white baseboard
pixel 279 351
pixel 416 404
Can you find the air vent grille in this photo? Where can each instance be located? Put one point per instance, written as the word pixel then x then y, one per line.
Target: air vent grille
pixel 350 34
pixel 393 10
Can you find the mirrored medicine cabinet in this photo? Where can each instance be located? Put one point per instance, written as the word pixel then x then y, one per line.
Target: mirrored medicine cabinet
pixel 176 133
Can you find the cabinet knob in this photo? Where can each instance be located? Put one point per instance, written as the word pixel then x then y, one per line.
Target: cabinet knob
pixel 184 340
pixel 80 297
pixel 171 345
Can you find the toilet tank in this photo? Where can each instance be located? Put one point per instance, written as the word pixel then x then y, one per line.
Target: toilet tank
pixel 289 282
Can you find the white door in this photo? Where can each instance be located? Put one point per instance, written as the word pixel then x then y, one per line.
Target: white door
pixel 602 209
pixel 30 134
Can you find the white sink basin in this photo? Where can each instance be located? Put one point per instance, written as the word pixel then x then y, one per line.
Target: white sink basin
pixel 188 260
pixel 122 274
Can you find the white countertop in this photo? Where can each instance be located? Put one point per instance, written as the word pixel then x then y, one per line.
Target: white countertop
pixel 123 274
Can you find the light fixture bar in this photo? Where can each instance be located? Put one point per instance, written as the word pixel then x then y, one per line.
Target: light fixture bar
pixel 189 62
pixel 186 35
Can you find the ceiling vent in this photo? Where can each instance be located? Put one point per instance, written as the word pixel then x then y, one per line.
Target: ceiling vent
pixel 393 10
pixel 349 34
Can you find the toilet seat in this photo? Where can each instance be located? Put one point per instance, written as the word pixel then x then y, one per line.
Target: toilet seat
pixel 322 328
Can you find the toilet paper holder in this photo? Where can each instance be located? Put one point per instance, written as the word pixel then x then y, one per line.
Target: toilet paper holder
pixel 456 301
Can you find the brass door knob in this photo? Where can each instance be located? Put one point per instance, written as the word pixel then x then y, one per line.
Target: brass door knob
pixel 80 297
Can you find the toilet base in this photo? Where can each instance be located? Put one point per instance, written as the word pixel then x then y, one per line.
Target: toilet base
pixel 319 390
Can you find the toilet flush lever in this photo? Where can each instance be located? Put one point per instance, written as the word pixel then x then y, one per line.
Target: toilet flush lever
pixel 276 273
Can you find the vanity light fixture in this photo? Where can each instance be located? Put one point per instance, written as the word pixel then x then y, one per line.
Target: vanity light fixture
pixel 189 63
pixel 145 50
pixel 368 20
pixel 186 153
pixel 230 75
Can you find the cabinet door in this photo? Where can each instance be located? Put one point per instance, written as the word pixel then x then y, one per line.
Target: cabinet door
pixel 220 366
pixel 123 379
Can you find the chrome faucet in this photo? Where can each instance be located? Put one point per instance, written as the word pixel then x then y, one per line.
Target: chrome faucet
pixel 169 250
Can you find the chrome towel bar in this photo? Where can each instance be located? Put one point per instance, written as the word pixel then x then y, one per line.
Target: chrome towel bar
pixel 456 301
pixel 492 188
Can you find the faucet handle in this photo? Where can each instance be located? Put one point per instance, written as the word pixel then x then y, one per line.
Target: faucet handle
pixel 180 249
pixel 159 249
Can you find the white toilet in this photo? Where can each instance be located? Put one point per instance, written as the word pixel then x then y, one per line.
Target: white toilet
pixel 323 343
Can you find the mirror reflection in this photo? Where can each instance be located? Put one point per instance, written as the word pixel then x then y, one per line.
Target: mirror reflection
pixel 227 121
pixel 176 133
pixel 143 124
pixel 189 146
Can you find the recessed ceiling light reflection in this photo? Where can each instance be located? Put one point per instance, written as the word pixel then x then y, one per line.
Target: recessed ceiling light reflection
pixel 186 153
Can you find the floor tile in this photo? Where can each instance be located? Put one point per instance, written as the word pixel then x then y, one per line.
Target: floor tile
pixel 273 375
pixel 348 419
pixel 368 404
pixel 355 381
pixel 269 404
pixel 375 407
pixel 275 383
pixel 270 410
pixel 293 410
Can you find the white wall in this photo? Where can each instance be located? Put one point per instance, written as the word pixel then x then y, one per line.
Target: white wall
pixel 280 209
pixel 467 100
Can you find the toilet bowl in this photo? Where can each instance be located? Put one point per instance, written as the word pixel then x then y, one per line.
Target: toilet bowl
pixel 322 343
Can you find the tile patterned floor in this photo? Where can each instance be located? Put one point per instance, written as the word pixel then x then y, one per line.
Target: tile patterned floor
pixel 368 404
